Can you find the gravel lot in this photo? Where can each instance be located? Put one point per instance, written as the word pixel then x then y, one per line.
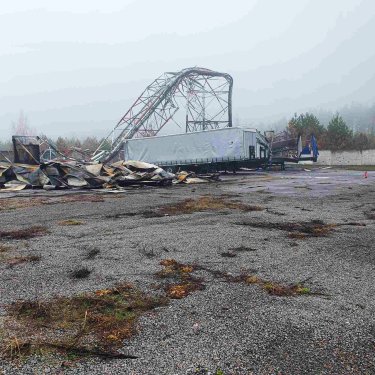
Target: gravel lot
pixel 228 328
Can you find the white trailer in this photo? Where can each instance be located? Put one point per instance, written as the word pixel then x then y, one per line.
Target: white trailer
pixel 224 145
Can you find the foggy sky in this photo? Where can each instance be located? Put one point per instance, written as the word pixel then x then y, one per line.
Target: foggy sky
pixel 75 67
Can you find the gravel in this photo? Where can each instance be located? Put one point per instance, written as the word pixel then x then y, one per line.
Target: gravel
pixel 228 328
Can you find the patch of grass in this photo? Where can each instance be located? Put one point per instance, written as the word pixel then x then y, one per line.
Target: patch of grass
pixel 179 279
pixel 81 273
pixel 276 289
pixel 270 287
pixel 178 291
pixel 15 261
pixel 314 228
pixel 70 222
pixel 23 234
pixel 205 203
pixel 88 324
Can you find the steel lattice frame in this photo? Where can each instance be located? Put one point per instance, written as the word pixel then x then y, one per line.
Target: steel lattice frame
pixel 206 96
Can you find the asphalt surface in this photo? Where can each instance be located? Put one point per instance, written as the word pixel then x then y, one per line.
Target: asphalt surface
pixel 228 328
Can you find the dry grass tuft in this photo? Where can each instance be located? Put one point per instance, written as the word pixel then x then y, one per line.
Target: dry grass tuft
pixel 178 291
pixel 88 324
pixel 23 234
pixel 70 222
pixel 271 287
pixel 206 203
pixel 285 290
pixel 183 282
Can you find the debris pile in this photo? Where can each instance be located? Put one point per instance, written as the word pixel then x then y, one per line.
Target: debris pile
pixel 59 174
pixel 65 174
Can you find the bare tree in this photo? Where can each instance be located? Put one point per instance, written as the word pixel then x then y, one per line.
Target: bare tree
pixel 21 127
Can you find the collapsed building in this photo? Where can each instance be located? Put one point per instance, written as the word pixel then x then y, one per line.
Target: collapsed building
pixel 139 151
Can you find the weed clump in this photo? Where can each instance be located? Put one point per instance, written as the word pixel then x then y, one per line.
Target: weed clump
pixel 23 234
pixel 89 324
pixel 270 287
pixel 314 228
pixel 180 281
pixel 285 290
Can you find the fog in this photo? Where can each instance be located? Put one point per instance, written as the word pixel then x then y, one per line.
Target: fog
pixel 74 68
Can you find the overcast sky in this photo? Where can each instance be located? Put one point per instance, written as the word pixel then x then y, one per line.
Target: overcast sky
pixel 75 67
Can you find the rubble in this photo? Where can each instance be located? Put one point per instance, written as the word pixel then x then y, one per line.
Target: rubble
pixel 65 174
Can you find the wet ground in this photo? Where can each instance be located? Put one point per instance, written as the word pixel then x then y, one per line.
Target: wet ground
pixel 229 327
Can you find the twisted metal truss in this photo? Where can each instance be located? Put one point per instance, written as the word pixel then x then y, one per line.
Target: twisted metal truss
pixel 205 95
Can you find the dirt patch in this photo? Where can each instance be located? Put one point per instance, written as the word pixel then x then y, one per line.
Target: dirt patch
pixel 90 198
pixel 205 203
pixel 17 203
pixel 89 324
pixel 15 261
pixel 23 234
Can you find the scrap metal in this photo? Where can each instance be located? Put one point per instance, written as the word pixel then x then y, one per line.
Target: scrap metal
pixel 206 96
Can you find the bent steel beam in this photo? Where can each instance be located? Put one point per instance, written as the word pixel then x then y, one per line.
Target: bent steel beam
pixel 206 96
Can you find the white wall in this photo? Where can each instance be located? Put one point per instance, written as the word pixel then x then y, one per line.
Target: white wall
pixel 366 157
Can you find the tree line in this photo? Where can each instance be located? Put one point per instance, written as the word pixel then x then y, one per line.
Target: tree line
pixel 336 136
